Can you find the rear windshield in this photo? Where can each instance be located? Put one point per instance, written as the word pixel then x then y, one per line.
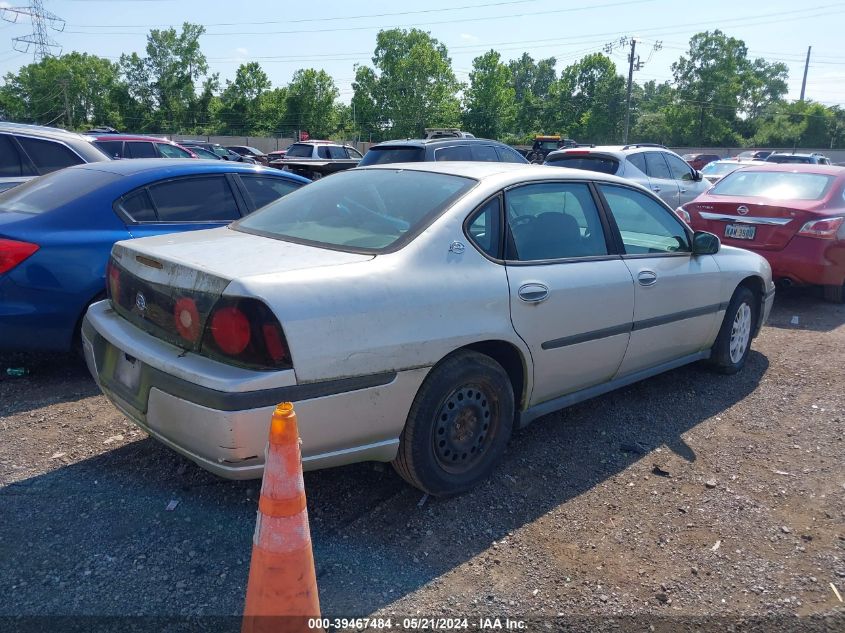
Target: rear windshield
pixel 776 185
pixel 367 210
pixel 53 190
pixel 719 169
pixel 589 163
pixel 789 158
pixel 299 151
pixel 384 155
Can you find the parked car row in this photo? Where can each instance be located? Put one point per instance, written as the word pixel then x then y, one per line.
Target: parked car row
pixel 435 297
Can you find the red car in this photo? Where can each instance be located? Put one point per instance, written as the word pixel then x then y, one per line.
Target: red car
pixel 793 215
pixel 132 146
pixel 697 161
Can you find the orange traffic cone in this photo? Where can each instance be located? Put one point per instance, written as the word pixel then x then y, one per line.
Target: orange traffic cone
pixel 281 595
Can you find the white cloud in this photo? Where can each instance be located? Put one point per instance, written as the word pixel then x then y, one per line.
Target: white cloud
pixel 469 37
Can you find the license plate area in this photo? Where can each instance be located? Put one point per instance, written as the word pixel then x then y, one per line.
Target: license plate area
pixel 740 231
pixel 127 372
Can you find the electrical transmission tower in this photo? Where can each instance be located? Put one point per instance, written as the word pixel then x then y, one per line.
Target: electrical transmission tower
pixel 38 41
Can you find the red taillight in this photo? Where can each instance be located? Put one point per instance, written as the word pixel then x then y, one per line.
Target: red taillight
pixel 824 229
pixel 245 332
pixel 187 319
pixel 577 152
pixel 230 329
pixel 13 253
pixel 113 281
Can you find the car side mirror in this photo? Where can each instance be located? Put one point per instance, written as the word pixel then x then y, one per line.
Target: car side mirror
pixel 696 175
pixel 704 243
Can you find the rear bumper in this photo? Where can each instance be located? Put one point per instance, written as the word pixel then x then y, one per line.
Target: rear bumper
pixel 808 261
pixel 213 413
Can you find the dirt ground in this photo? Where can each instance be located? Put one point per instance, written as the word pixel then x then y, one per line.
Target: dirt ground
pixel 689 498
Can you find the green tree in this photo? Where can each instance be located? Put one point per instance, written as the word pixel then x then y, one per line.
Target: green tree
pixel 799 124
pixel 75 90
pixel 489 105
pixel 310 102
pixel 533 82
pixel 240 111
pixel 412 86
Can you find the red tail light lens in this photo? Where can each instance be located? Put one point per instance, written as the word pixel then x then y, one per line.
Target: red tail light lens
pixel 230 329
pixel 112 281
pixel 823 229
pixel 245 332
pixel 13 253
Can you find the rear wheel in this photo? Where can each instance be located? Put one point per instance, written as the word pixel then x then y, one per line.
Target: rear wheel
pixel 458 425
pixel 835 294
pixel 730 351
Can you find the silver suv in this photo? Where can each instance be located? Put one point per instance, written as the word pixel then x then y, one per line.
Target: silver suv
pixel 652 166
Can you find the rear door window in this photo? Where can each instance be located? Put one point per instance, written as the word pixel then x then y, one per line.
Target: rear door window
pixel 11 163
pixel 457 152
pixel 140 149
pixel 323 152
pixel 299 150
pixel 337 152
pixel 113 149
pixel 508 155
pixel 656 167
pixel 138 206
pixel 485 153
pixel 264 190
pixel 205 199
pixel 638 161
pixel 48 155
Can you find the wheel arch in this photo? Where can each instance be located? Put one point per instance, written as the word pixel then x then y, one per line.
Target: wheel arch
pixel 512 361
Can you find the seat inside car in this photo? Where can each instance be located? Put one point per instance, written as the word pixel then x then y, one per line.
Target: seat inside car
pixel 551 235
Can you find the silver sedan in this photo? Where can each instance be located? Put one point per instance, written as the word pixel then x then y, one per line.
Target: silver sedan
pixel 416 314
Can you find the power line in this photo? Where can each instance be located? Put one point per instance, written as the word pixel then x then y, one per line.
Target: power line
pixel 39 40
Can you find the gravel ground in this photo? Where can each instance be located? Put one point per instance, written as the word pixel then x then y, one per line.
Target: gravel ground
pixel 688 495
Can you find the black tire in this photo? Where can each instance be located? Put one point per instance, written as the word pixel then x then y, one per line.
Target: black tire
pixel 720 354
pixel 458 426
pixel 835 294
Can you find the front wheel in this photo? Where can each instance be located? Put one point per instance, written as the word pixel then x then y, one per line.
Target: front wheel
pixel 458 425
pixel 730 351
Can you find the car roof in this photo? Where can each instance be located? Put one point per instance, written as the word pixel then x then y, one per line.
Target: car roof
pixel 129 137
pixel 806 168
pixel 176 167
pixel 423 142
pixel 41 130
pixel 506 173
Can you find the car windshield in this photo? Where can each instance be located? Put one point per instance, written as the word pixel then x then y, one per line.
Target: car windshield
pixel 299 151
pixel 775 185
pixel 53 190
pixel 366 210
pixel 384 155
pixel 254 152
pixel 589 163
pixel 719 169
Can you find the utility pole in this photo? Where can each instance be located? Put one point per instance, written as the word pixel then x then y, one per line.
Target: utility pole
pixel 806 67
pixel 631 61
pixel 41 43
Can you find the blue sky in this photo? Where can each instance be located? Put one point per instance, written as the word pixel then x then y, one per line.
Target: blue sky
pixel 335 35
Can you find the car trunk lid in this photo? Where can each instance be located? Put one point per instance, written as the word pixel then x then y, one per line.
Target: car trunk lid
pixel 758 224
pixel 168 285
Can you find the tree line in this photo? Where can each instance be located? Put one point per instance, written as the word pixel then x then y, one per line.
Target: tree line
pixel 718 96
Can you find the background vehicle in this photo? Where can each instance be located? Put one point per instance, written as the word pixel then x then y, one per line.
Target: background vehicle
pixel 431 308
pixel 653 166
pixel 545 144
pixel 422 150
pixel 697 161
pixel 797 158
pixel 718 169
pixel 133 146
pixel 754 154
pixel 447 132
pixel 315 159
pixel 27 151
pixel 56 232
pixel 793 215
pixel 256 154
pixel 203 153
pixel 276 155
pixel 219 150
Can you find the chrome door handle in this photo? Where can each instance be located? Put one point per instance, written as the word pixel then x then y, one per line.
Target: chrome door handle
pixel 656 189
pixel 647 277
pixel 533 293
pixel 683 190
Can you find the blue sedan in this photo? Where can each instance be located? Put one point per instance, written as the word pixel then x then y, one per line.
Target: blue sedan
pixel 56 232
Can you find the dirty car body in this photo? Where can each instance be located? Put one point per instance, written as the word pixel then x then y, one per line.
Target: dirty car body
pixel 363 295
